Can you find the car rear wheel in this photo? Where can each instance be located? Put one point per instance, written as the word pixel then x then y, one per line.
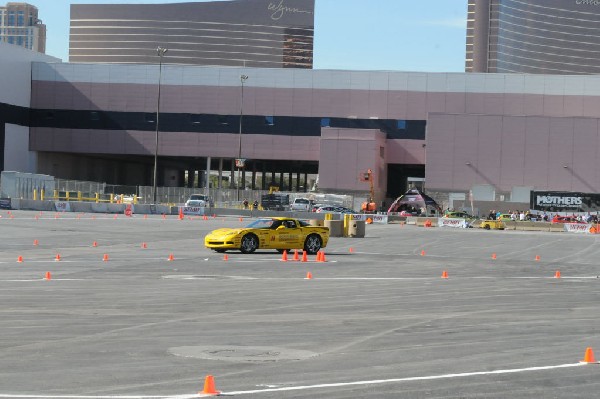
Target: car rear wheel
pixel 312 244
pixel 487 227
pixel 249 244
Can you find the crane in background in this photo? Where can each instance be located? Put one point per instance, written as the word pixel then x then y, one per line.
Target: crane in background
pixel 369 206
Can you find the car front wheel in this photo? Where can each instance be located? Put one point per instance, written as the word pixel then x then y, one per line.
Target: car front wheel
pixel 249 244
pixel 312 245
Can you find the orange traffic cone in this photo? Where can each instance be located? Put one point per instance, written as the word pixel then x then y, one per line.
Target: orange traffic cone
pixel 323 257
pixel 296 257
pixel 284 257
pixel 181 217
pixel 589 357
pixel 351 250
pixel 318 259
pixel 48 276
pixel 557 274
pixel 494 255
pixel 209 386
pixel 537 257
pixel 304 257
pixel 35 242
pixel 444 274
pixel 57 259
pixel 241 219
pixel 225 257
pixel 145 216
pixel 308 276
pixel 422 253
pixel 144 246
pixel 115 217
pixel 20 259
pixel 94 244
pixel 171 258
pixel 105 258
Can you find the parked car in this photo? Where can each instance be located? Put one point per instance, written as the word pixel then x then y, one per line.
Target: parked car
pixel 565 219
pixel 269 233
pixel 197 200
pixel 301 204
pixel 492 224
pixel 458 214
pixel 275 202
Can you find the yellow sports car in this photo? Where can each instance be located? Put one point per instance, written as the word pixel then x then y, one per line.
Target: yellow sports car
pixel 270 233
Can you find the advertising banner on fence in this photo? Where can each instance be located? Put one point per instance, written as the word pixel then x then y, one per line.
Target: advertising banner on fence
pixel 452 222
pixel 577 227
pixel 62 206
pixel 561 201
pixel 383 219
pixel 193 210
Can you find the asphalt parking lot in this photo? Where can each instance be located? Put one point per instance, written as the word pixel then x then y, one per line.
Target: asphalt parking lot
pixel 375 320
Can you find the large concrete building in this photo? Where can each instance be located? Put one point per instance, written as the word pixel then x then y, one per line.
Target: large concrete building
pixel 251 33
pixel 496 135
pixel 533 36
pixel 20 25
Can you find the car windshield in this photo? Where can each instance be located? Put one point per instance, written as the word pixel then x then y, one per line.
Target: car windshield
pixel 197 198
pixel 263 224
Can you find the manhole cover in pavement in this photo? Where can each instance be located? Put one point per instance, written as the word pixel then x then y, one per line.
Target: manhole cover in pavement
pixel 235 353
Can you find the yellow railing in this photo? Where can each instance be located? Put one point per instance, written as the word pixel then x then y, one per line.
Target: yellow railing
pixel 78 196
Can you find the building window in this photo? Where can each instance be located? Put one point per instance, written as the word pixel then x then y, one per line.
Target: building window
pixel 222 119
pixel 325 122
pixel 401 124
pixel 382 152
pixel 21 18
pixel 269 121
pixel 95 116
pixel 150 117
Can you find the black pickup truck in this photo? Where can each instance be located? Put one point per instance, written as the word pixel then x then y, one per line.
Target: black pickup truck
pixel 275 202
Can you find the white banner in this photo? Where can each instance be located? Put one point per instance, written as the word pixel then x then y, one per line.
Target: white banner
pixel 452 222
pixel 582 228
pixel 193 210
pixel 62 206
pixel 383 219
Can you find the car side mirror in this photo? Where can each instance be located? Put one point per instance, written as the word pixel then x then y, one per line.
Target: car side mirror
pixel 280 227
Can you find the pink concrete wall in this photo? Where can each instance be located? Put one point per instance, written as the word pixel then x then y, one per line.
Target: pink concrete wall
pixel 254 146
pixel 346 154
pixel 506 151
pixel 343 103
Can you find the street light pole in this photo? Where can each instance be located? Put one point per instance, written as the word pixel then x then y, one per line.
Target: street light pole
pixel 160 51
pixel 243 79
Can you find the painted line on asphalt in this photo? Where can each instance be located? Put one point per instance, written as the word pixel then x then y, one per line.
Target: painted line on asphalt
pixel 408 379
pixel 307 387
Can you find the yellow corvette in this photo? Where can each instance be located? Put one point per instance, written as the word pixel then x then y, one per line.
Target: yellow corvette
pixel 269 233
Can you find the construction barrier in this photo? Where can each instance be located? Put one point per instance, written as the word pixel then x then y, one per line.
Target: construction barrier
pixel 336 228
pixel 356 229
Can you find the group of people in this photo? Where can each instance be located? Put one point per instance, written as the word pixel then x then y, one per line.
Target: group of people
pixel 522 216
pixel 247 204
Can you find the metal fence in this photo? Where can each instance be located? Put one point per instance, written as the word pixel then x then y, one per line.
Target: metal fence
pixel 222 198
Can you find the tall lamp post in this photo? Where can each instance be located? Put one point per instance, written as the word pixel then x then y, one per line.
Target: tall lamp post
pixel 243 79
pixel 160 51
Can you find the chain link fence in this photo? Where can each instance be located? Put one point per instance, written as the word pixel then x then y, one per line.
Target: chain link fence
pixel 220 198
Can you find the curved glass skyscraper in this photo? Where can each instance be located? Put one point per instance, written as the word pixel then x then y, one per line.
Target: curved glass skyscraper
pixel 251 33
pixel 533 36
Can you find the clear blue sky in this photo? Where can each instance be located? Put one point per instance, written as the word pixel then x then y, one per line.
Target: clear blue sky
pixel 405 35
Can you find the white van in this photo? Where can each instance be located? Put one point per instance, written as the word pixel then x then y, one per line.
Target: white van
pixel 301 204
